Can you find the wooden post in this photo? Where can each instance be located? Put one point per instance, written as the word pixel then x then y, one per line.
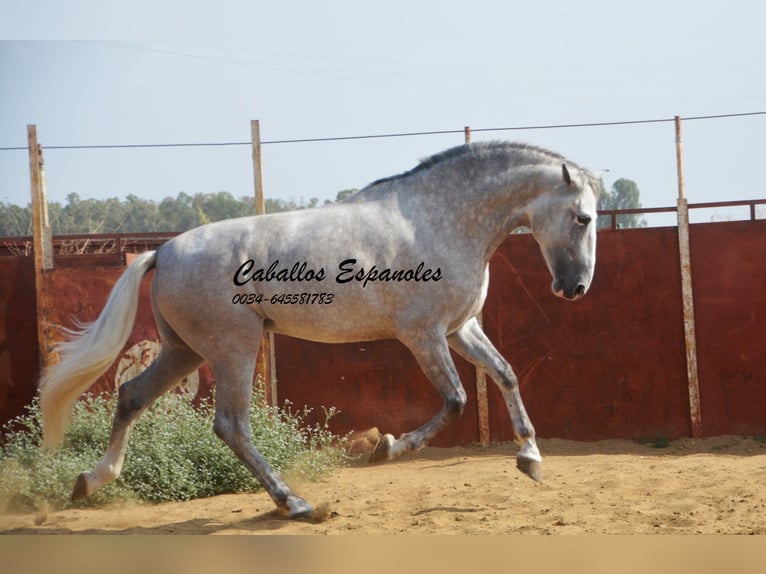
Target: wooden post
pixel 687 295
pixel 482 404
pixel 680 160
pixel 43 247
pixel 260 200
pixel 265 363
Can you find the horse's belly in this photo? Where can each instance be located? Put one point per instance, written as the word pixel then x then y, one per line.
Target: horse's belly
pixel 329 327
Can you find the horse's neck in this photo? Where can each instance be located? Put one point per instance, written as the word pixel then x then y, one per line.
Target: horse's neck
pixel 490 206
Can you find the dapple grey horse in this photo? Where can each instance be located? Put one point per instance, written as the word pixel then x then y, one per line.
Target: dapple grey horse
pixel 407 257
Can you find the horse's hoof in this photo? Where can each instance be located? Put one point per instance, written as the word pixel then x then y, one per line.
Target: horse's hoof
pixel 297 508
pixel 532 468
pixel 382 452
pixel 81 486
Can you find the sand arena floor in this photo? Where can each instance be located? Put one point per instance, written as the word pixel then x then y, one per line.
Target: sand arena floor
pixel 715 485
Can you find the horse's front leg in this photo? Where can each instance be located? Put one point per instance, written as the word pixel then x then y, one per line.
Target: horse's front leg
pixel 472 344
pixel 433 356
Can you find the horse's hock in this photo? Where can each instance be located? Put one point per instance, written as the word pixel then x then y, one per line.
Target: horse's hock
pixel 138 357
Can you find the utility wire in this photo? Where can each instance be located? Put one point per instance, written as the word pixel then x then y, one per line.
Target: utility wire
pixel 393 135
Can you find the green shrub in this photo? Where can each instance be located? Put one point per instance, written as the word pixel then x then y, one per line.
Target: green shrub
pixel 173 453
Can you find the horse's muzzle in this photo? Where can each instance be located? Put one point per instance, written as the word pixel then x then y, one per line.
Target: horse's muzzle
pixel 568 292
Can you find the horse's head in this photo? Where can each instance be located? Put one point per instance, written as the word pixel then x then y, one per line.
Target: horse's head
pixel 563 222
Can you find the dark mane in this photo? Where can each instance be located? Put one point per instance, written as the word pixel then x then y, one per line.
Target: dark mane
pixel 521 154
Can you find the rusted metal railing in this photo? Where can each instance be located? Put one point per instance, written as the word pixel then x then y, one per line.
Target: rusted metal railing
pixel 613 214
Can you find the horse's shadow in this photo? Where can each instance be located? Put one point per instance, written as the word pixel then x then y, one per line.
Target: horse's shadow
pixel 262 523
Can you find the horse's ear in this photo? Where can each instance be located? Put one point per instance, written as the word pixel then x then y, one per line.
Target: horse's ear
pixel 565 173
pixel 600 173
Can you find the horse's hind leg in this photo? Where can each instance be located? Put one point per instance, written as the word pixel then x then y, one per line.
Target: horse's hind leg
pixel 432 353
pixel 472 344
pixel 174 362
pixel 234 369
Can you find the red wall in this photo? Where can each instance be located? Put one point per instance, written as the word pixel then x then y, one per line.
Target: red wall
pixel 18 335
pixel 372 384
pixel 729 278
pixel 611 365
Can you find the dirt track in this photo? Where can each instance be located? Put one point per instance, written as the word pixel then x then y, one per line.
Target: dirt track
pixel 709 486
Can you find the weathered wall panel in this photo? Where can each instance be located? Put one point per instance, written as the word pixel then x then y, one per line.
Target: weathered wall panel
pixel 77 292
pixel 377 383
pixel 18 335
pixel 81 294
pixel 729 278
pixel 610 365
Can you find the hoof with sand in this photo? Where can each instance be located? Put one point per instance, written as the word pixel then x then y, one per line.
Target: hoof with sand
pixel 80 489
pixel 298 509
pixel 532 468
pixel 382 452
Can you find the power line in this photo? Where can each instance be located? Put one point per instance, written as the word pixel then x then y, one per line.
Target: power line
pixel 716 117
pixel 131 146
pixel 392 135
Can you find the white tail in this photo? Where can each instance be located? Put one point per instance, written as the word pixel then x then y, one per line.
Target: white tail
pixel 90 351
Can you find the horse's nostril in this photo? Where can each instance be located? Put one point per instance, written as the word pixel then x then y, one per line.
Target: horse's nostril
pixel 580 291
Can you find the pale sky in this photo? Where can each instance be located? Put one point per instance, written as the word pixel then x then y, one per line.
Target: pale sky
pixel 198 72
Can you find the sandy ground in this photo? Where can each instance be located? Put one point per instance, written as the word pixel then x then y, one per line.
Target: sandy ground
pixel 709 486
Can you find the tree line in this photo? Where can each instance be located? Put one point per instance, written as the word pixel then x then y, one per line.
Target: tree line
pixel 134 214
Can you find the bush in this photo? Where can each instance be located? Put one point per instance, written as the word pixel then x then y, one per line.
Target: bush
pixel 173 453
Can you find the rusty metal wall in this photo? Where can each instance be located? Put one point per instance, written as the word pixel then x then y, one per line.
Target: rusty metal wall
pixel 611 365
pixel 79 287
pixel 82 293
pixel 372 384
pixel 18 335
pixel 729 278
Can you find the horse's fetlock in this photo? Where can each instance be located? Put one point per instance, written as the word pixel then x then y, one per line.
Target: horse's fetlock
pixel 524 435
pixel 281 494
pixel 106 472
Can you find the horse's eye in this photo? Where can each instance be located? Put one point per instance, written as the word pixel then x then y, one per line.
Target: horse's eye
pixel 582 220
